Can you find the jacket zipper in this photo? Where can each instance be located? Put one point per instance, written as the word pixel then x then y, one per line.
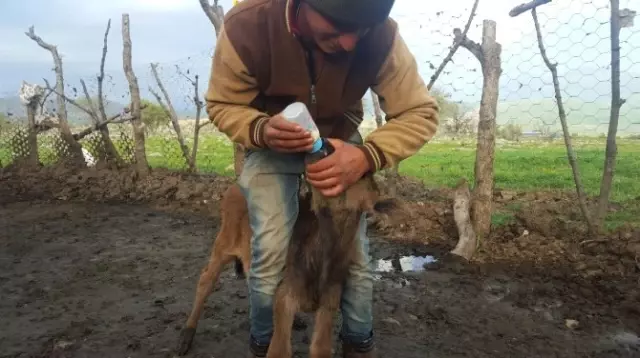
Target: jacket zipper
pixel 312 76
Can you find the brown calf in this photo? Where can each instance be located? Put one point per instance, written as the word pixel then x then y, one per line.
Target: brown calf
pixel 321 249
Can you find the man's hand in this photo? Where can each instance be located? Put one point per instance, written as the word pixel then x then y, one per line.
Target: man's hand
pixel 337 172
pixel 286 137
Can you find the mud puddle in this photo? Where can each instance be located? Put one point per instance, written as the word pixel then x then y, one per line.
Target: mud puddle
pixel 404 264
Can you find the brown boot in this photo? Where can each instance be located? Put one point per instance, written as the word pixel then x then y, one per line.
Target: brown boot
pixel 349 351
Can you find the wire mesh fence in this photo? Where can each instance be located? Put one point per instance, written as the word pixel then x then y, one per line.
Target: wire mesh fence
pixel 530 150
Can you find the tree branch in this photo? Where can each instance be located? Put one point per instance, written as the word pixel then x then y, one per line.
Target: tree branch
pixel 172 114
pixel 93 110
pixel 44 100
pixel 214 12
pixel 526 7
pixel 119 117
pixel 196 130
pixel 103 113
pixel 193 83
pixel 565 128
pixel 470 45
pixel 45 125
pixel 456 45
pixel 73 102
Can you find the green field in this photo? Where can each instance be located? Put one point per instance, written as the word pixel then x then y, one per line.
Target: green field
pixel 534 165
pixel 531 165
pixel 525 166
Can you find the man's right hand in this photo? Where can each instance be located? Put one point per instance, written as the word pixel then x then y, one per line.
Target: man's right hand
pixel 286 137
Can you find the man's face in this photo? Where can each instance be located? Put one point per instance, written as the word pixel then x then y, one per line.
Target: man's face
pixel 331 39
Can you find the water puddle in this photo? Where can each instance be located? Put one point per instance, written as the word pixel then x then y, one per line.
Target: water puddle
pixel 404 264
pixel 626 339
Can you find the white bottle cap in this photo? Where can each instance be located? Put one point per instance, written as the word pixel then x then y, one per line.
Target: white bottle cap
pixel 296 112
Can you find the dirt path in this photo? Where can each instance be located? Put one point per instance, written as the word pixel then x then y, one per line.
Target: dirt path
pixel 97 280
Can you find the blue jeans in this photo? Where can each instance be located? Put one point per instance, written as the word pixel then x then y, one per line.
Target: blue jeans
pixel 270 182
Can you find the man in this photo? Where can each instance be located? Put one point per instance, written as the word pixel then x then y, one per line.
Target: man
pixel 327 54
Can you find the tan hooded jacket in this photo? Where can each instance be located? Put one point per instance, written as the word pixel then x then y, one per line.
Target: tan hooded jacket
pixel 259 67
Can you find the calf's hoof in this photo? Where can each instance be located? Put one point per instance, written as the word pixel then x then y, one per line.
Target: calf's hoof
pixel 186 338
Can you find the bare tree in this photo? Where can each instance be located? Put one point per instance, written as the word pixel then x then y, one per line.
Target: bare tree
pixel 195 82
pixel 65 130
pixel 98 114
pixel 616 103
pixel 142 167
pixel 582 198
pixel 110 148
pixel 488 54
pixel 173 115
pixel 215 13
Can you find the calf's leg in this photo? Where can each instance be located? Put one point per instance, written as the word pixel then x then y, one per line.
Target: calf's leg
pixel 208 278
pixel 285 307
pixel 321 341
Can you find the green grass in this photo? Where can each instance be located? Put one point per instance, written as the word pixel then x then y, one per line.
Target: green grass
pixel 534 165
pixel 521 167
pixel 531 166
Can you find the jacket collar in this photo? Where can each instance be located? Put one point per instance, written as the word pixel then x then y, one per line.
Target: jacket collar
pixel 291 8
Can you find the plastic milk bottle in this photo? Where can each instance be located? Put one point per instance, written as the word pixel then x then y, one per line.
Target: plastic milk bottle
pixel 298 113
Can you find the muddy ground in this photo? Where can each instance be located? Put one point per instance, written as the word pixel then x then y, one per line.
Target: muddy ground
pixel 102 264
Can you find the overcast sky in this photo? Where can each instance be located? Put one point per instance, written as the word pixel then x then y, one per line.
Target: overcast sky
pixel 177 32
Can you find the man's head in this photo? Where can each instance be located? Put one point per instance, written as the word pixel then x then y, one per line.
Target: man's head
pixel 336 25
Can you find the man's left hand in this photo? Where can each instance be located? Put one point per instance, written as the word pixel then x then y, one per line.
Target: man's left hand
pixel 335 173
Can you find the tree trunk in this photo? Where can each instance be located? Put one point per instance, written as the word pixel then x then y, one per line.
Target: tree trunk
pixel 196 130
pixel 142 166
pixel 467 241
pixel 32 138
pixel 110 148
pixel 616 103
pixel 65 130
pixel 485 151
